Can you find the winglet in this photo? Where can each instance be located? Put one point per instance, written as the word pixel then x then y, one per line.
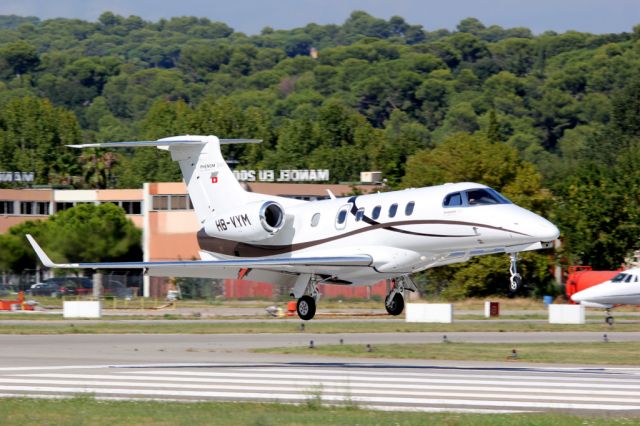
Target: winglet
pixel 41 254
pixel 333 197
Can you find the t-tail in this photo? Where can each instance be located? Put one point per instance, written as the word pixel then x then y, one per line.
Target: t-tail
pixel 210 182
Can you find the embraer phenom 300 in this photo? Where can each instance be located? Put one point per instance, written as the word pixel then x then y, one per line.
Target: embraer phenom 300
pixel 358 240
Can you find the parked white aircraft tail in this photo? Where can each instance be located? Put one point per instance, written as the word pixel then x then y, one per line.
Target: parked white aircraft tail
pixel 357 240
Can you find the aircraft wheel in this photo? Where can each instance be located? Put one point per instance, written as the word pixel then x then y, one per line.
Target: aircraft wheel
pixel 395 305
pixel 306 307
pixel 516 283
pixel 609 320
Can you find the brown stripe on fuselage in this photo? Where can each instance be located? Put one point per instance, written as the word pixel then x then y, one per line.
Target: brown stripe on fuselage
pixel 241 249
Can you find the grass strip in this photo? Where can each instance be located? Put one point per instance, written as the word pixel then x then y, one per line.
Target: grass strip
pixel 85 410
pixel 611 353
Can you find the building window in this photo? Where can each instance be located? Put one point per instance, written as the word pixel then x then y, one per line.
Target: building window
pixel 132 207
pixel 160 202
pixel 393 209
pixel 63 206
pixel 129 207
pixel 171 202
pixel 178 202
pixel 6 207
pixel 42 208
pixel 26 207
pixel 409 209
pixel 34 208
pixel 315 219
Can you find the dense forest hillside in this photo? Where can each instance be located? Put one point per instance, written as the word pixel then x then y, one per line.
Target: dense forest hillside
pixel 552 120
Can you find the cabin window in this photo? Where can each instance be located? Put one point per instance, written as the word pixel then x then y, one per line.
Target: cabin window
pixel 453 200
pixel 359 214
pixel 409 209
pixel 341 217
pixel 629 278
pixel 315 219
pixel 393 209
pixel 376 212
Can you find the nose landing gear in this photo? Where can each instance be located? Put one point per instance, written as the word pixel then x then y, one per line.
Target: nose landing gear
pixel 516 279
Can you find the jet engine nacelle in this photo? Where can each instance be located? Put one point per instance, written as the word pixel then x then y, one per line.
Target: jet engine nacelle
pixel 251 222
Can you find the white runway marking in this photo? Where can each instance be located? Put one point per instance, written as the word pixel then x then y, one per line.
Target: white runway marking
pixel 327 389
pixel 389 388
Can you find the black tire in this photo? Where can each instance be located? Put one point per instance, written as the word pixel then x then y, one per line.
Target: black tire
pixel 516 283
pixel 396 305
pixel 306 308
pixel 609 320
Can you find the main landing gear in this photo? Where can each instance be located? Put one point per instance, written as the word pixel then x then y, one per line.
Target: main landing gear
pixel 306 291
pixel 516 279
pixel 609 319
pixel 394 302
pixel 306 307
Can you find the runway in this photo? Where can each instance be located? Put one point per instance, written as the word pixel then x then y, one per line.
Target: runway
pixel 383 386
pixel 221 368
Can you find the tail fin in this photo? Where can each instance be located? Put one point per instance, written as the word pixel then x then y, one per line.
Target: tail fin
pixel 210 182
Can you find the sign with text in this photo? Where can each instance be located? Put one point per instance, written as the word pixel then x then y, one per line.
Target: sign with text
pixel 16 177
pixel 311 175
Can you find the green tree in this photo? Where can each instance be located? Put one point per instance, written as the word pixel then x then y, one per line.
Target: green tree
pixel 97 168
pixel 20 57
pixel 91 233
pixel 85 233
pixel 33 135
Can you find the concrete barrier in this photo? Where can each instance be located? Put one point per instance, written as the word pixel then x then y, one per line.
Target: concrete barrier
pixel 429 312
pixel 84 309
pixel 566 314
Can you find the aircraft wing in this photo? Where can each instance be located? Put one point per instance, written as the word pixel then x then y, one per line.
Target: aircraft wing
pixel 284 264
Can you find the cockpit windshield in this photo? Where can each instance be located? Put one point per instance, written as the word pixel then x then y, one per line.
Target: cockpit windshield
pixel 619 278
pixel 474 197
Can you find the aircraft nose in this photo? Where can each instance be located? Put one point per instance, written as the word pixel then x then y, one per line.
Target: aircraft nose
pixel 546 230
pixel 577 297
pixel 539 228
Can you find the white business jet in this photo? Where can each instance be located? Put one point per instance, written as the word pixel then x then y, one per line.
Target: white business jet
pixel 358 240
pixel 623 289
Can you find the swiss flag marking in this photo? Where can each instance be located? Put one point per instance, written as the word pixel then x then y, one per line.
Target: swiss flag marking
pixel 214 179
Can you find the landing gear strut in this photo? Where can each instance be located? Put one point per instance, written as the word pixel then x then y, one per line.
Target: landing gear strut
pixel 516 279
pixel 306 291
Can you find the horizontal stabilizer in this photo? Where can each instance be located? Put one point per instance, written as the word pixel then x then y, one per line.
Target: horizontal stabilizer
pixel 285 263
pixel 165 142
